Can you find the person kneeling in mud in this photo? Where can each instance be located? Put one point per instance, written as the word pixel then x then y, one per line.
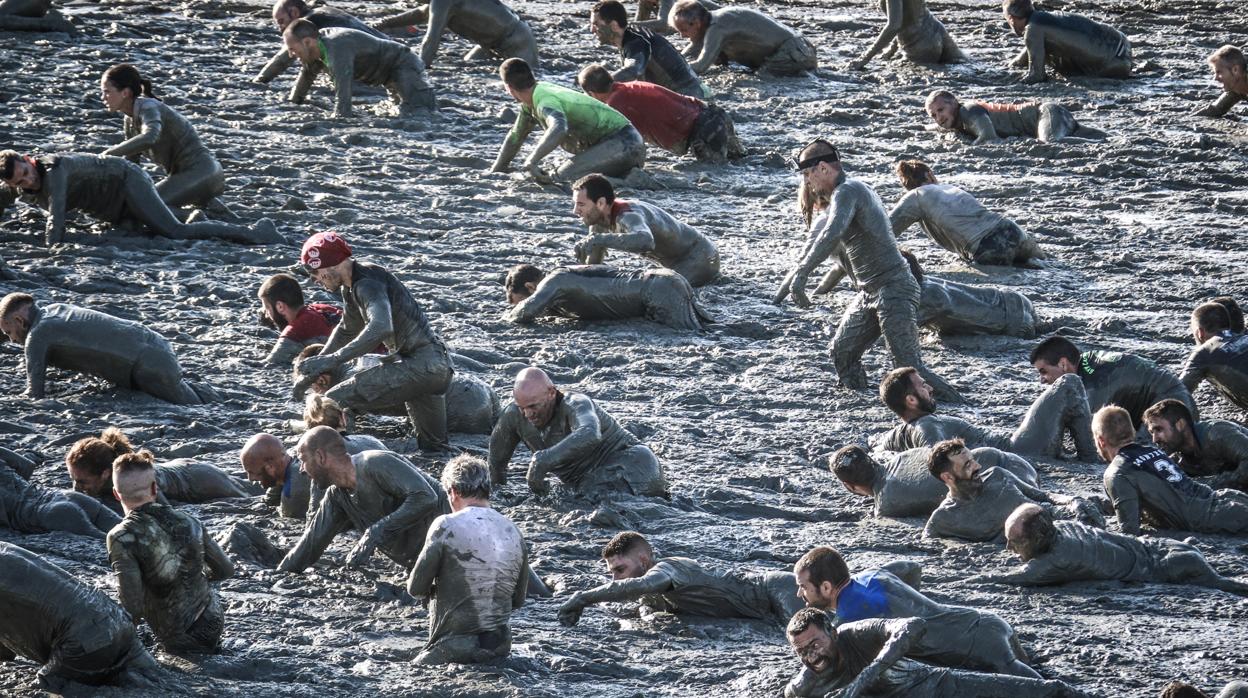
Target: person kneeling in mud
pixel 323 16
pixel 601 292
pixel 573 439
pixel 984 122
pixel 1072 44
pixel 683 586
pixel 741 35
pixel 32 16
pixel 1230 69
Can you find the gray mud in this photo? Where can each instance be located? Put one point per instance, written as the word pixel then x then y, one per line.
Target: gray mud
pixel 1142 225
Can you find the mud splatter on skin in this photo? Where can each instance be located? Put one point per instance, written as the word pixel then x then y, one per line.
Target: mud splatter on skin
pixel 1142 226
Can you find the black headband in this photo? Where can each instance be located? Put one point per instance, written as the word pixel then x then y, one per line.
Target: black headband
pixel 800 164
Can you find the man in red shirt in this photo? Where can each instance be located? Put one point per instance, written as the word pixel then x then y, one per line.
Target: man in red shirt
pixel 672 121
pixel 300 324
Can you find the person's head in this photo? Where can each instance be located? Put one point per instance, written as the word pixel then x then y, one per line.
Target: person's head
pixel 303 40
pixel 1178 689
pixel 1169 424
pixel 1054 357
pixel 323 456
pixel 855 468
pixel 596 80
pixel 1233 311
pixel 1112 429
pixel 535 396
pixel 592 198
pixel 287 11
pixel 134 479
pixel 819 164
pixel 914 174
pixel 282 298
pixel 1208 321
pixel 628 555
pixel 323 382
pixel 466 480
pixel 521 282
pixel 90 461
pixel 607 21
pixel 813 638
pixel 952 463
pixel 1017 13
pixel 327 259
pixel 690 19
pixel 20 171
pixel 264 460
pixel 15 316
pixel 905 392
pixel 518 78
pixel 1230 68
pixel 1029 531
pixel 915 268
pixel 321 411
pixel 120 85
pixel 821 574
pixel 942 106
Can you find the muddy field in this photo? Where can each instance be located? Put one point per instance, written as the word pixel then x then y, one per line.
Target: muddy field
pixel 1142 226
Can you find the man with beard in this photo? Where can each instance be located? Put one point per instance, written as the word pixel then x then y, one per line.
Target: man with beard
pixel 646 56
pixel 980 500
pixel 267 461
pixel 1230 68
pixel 1062 408
pixel 1209 447
pixel 641 228
pixel 1221 355
pixel 1072 44
pixel 494 27
pixel 324 17
pixel 301 324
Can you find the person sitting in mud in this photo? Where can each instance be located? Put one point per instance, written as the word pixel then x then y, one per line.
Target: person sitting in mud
pixel 266 461
pixel 956 221
pixel 741 35
pixel 572 438
pixel 1176 689
pixel 1071 44
pixel 1062 408
pixel 873 658
pixel 1230 69
pixel 1221 355
pixel 913 28
pixel 980 500
pixel 1144 485
pixel 1110 378
pixel 68 337
pixel 600 292
pixel 641 228
pixel 671 121
pixel 378 308
pixel 324 17
pixel 600 138
pixel 1059 552
pixel 27 507
pixel 683 586
pixel 904 486
pixel 957 636
pixel 74 630
pixel 300 323
pixel 985 122
pixel 164 560
pixel 348 55
pixel 1213 447
pixel 494 27
pixel 380 494
pixel 475 569
pixel 645 56
pixel 32 16
pixel 110 189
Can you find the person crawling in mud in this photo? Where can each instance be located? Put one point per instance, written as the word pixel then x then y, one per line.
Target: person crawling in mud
pixel 122 352
pixel 1071 44
pixel 683 586
pixel 1209 447
pixel 655 14
pixel 910 26
pixel 741 35
pixel 267 462
pixel 572 438
pixel 980 500
pixel 283 308
pixel 164 560
pixel 1059 552
pixel 1177 689
pixel 494 27
pixel 985 122
pixel 1230 68
pixel 1220 357
pixel 28 507
pixel 876 658
pixel 1234 311
pixel 321 411
pixel 1144 485
pixel 324 17
pixel 32 16
pixel 641 228
pixel 646 56
pixel 601 292
pixel 957 637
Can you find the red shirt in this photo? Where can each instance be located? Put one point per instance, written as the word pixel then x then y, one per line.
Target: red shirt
pixel 663 117
pixel 314 320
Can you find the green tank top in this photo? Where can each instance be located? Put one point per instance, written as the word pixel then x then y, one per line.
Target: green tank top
pixel 589 120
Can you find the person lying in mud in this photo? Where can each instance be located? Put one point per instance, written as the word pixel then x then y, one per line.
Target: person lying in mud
pixel 68 337
pixel 494 27
pixel 75 631
pixel 600 138
pixel 957 637
pixel 379 494
pixel 324 17
pixel 348 55
pixel 283 308
pixel 1209 447
pixel 27 507
pixel 874 658
pixel 378 308
pixel 980 500
pixel 572 438
pixel 641 228
pixel 1062 408
pixel 645 55
pixel 110 189
pixel 671 121
pixel 32 16
pixel 1071 44
pixel 985 122
pixel 1059 552
pixel 1230 69
pixel 1144 485
pixel 913 28
pixel 1176 689
pixel 903 486
pixel 164 560
pixel 683 586
pixel 600 292
pixel 1221 355
pixel 741 35
pixel 267 462
pixel 474 568
pixel 1110 378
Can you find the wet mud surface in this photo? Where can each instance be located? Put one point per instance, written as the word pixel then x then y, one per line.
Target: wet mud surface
pixel 1142 226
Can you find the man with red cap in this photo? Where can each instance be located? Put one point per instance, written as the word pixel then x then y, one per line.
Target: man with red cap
pixel 378 308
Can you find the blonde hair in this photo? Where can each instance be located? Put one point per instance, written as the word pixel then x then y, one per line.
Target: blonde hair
pixel 1114 424
pixel 321 411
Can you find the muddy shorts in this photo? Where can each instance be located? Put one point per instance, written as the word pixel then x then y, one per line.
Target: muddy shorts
pixel 1000 245
pixel 713 137
pixel 793 57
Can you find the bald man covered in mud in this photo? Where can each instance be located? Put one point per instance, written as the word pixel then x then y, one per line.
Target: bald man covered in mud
pixel 572 438
pixel 1220 357
pixel 601 292
pixel 32 16
pixel 31 508
pixel 266 461
pixel 913 28
pixel 741 35
pixel 1071 44
pixel 985 122
pixel 494 27
pixel 1230 69
pixel 683 586
pixel 324 17
pixel 1213 447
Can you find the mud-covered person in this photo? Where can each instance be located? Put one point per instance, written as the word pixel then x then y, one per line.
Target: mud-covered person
pixel 910 26
pixel 644 55
pixel 494 27
pixel 324 17
pixel 283 308
pixel 601 292
pixel 741 35
pixel 32 16
pixel 1177 689
pixel 1230 69
pixel 985 122
pixel 1220 357
pixel 1212 447
pixel 1071 44
pixel 29 507
pixel 268 462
